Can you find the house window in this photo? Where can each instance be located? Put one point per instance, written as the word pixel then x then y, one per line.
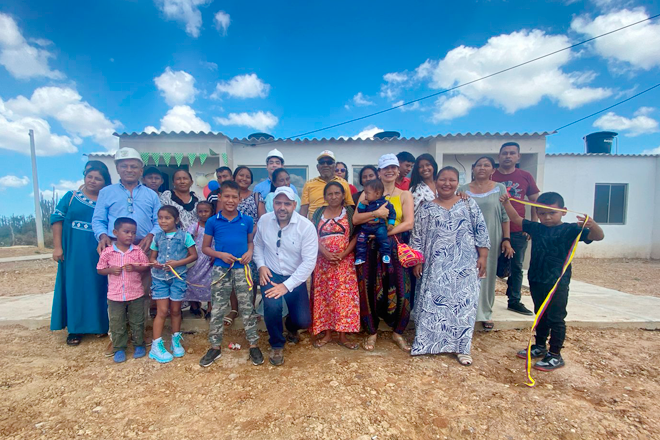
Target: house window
pixel 610 203
pixel 298 176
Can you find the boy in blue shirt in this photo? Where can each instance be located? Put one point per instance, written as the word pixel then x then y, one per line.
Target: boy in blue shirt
pixel 551 242
pixel 373 195
pixel 233 249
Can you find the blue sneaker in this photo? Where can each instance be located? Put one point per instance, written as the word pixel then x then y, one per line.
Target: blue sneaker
pixel 159 353
pixel 386 259
pixel 120 356
pixel 139 352
pixel 176 347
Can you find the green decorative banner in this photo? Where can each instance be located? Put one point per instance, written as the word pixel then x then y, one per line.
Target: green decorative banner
pixel 225 159
pixel 145 157
pixel 166 158
pixel 212 153
pixel 178 157
pixel 202 158
pixel 155 157
pixel 191 157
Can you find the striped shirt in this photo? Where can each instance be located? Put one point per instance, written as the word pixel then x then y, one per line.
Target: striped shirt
pixel 128 285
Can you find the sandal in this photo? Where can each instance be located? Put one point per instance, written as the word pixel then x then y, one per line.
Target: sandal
pixel 369 343
pixel 229 321
pixel 488 325
pixel 73 339
pixel 464 359
pixel 350 345
pixel 401 342
pixel 319 343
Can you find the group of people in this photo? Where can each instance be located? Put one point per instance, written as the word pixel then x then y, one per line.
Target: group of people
pixel 255 253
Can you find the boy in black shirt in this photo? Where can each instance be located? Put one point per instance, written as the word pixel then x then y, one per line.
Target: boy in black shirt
pixel 551 242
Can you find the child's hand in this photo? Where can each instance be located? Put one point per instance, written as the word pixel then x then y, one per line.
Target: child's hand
pixel 581 221
pixel 115 270
pixel 170 264
pixel 390 227
pixel 504 199
pixel 227 258
pixel 246 258
pixel 129 268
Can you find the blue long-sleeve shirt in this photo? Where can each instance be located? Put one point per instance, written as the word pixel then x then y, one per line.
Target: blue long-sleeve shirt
pixel 373 206
pixel 263 188
pixel 116 201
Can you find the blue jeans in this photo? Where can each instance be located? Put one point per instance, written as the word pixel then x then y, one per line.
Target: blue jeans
pixel 299 313
pixel 514 283
pixel 384 244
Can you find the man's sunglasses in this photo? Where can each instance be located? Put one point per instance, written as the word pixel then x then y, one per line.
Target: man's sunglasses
pixel 279 238
pixel 326 162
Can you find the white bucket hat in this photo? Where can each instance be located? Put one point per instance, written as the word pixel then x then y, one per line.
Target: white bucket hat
pixel 386 160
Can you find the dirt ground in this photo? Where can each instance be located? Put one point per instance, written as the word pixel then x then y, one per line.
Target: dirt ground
pixel 608 389
pixel 20 251
pixel 27 277
pixel 639 277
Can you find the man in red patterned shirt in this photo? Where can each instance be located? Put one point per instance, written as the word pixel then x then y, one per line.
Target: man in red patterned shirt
pixel 123 263
pixel 519 184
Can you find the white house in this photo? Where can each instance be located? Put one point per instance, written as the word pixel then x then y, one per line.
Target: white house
pixel 624 191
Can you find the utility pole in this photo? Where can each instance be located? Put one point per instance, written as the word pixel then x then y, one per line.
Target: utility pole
pixel 37 194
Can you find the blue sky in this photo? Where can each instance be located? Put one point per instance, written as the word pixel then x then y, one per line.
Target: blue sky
pixel 76 71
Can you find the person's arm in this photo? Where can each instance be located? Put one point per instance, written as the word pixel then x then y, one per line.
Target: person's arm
pixel 192 256
pixel 408 215
pixel 100 222
pixel 348 195
pixel 360 218
pixel 349 249
pixel 534 198
pixel 482 261
pixel 247 256
pixel 142 266
pixel 155 206
pixel 596 233
pixel 58 251
pixel 103 267
pixel 514 217
pixel 507 249
pixel 305 201
pixel 309 252
pixel 304 210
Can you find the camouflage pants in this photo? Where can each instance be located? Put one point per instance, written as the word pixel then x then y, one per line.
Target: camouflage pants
pixel 220 294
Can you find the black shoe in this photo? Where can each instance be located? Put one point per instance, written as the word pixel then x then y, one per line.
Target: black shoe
pixel 211 356
pixel 276 356
pixel 536 352
pixel 520 308
pixel 549 362
pixel 292 338
pixel 256 357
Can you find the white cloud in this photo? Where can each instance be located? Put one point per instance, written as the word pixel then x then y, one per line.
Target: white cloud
pixel 242 86
pixel 184 11
pixel 408 108
pixel 360 99
pixel 638 125
pixel 10 181
pixel 262 121
pixel 514 90
pixel 368 132
pixel 209 65
pixel 176 87
pixel 394 83
pixel 655 150
pixel 636 46
pixel 22 60
pixel 60 188
pixel 221 20
pixel 180 118
pixel 66 106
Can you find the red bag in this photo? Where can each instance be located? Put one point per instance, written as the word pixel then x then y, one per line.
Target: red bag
pixel 408 257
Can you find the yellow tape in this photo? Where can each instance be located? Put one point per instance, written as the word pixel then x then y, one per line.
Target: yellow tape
pixel 548 297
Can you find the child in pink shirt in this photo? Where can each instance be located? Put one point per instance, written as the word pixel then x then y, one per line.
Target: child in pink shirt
pixel 123 263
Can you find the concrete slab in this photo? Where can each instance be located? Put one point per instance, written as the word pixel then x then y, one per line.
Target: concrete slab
pixel 26 258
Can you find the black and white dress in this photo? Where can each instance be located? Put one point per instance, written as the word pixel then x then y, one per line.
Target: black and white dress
pixel 446 307
pixel 187 211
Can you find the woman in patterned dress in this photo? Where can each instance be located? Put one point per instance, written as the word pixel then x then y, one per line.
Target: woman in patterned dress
pixel 80 298
pixel 452 235
pixel 336 300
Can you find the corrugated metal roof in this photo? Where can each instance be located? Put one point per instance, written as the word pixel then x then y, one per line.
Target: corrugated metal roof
pixel 601 155
pixel 340 139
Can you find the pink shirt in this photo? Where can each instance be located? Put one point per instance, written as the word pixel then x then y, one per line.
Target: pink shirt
pixel 128 285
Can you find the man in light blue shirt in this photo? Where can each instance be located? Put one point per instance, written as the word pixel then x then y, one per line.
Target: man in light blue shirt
pixel 274 160
pixel 128 198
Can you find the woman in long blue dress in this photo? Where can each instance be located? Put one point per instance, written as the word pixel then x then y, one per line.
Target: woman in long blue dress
pixel 452 235
pixel 80 299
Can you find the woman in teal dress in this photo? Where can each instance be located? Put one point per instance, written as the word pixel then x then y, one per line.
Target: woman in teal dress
pixel 80 299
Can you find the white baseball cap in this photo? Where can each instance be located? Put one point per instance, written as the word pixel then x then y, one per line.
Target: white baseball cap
pixel 386 160
pixel 127 153
pixel 275 153
pixel 326 153
pixel 288 192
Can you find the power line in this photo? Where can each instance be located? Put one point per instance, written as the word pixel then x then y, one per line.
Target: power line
pixel 467 84
pixel 605 109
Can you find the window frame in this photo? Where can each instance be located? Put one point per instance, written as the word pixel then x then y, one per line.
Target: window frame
pixel 609 205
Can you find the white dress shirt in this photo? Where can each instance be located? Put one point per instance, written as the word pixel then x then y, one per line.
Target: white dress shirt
pixel 299 247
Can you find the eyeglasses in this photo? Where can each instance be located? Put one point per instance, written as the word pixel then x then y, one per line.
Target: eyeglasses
pixel 130 205
pixel 326 162
pixel 279 238
pixel 340 170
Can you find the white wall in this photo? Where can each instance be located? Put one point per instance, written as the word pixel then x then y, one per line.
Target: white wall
pixel 575 177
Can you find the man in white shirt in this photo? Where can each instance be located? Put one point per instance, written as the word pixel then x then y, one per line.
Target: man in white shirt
pixel 285 250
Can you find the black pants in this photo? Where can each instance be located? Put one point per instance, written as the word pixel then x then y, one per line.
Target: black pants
pixel 552 322
pixel 514 283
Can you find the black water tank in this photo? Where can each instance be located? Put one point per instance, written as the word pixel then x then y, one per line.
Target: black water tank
pixel 387 135
pixel 599 142
pixel 260 136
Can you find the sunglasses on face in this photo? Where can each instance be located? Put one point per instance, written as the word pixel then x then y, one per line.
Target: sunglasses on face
pixel 326 162
pixel 340 170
